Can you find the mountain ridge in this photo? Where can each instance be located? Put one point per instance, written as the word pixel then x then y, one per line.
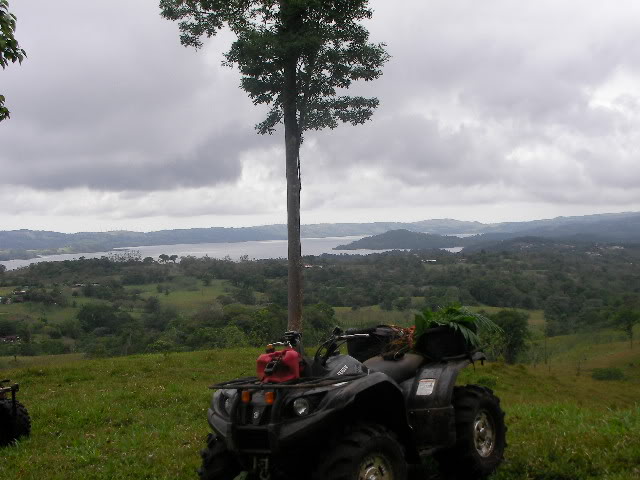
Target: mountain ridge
pixel 26 243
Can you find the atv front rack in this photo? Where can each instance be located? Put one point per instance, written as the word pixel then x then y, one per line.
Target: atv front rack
pixel 311 382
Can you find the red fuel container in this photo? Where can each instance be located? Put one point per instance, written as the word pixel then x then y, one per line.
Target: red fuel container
pixel 284 366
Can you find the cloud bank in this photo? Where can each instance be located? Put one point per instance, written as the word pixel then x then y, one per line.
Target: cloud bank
pixel 530 109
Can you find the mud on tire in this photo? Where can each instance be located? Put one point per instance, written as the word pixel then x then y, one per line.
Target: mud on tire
pixel 364 451
pixel 480 432
pixel 11 429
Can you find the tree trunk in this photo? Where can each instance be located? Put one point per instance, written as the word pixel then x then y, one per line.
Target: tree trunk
pixel 292 146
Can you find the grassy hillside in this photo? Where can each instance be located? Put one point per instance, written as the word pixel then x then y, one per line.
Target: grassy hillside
pixel 144 417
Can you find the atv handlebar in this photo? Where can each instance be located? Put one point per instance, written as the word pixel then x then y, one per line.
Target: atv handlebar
pixel 332 344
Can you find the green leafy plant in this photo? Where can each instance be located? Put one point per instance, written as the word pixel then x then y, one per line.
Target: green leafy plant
pixel 10 51
pixel 456 317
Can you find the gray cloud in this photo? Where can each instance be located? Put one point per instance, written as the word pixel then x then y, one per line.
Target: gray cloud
pixel 498 101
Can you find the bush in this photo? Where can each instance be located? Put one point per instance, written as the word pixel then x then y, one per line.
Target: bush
pixel 611 373
pixel 53 347
pixel 232 337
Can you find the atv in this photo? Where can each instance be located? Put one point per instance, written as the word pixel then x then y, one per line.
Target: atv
pixel 362 416
pixel 14 418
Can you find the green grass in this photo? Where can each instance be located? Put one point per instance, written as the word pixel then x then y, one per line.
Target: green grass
pixel 140 417
pixel 563 426
pixel 144 417
pixel 600 349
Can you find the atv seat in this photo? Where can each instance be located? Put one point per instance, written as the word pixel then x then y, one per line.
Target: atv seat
pixel 400 370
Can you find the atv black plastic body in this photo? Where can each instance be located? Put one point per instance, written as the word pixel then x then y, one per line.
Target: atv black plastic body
pixel 10 392
pixel 14 418
pixel 411 396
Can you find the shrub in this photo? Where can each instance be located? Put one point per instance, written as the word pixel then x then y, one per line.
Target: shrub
pixel 610 373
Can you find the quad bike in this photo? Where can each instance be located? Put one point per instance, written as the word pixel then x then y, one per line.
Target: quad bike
pixel 14 419
pixel 355 417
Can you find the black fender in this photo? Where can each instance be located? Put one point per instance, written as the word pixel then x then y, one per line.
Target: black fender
pixel 375 398
pixel 430 408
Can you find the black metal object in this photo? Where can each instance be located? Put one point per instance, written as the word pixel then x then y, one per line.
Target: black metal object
pixel 252 383
pixel 411 396
pixel 13 389
pixel 375 343
pixel 442 342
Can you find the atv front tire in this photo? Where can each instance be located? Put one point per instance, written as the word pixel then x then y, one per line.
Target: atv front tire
pixel 365 452
pixel 11 429
pixel 217 462
pixel 480 433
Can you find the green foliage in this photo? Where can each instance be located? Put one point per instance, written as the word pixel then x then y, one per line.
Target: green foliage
pixel 609 373
pixel 107 318
pixel 160 346
pixel 597 284
pixel 10 50
pixel 320 319
pixel 233 337
pixel 515 331
pixel 626 319
pixel 456 317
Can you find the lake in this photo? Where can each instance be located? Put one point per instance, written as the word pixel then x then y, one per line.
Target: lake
pixel 255 250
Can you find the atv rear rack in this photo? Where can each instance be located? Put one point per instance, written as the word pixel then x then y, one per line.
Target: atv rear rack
pixel 12 388
pixel 253 383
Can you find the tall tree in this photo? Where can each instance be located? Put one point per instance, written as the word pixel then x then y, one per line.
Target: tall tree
pixel 297 56
pixel 515 328
pixel 10 51
pixel 625 320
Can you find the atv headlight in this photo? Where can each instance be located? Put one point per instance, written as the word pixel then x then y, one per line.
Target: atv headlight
pixel 301 407
pixel 223 402
pixel 228 404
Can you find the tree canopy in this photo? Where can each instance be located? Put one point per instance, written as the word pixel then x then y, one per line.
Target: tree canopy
pixel 324 40
pixel 10 50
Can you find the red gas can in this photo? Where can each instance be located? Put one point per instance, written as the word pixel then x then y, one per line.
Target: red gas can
pixel 279 366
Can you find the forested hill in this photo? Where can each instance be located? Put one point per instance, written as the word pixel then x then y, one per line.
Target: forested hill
pixel 402 239
pixel 623 227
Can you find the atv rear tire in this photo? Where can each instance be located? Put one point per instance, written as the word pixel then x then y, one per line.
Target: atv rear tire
pixel 480 433
pixel 217 462
pixel 11 429
pixel 365 452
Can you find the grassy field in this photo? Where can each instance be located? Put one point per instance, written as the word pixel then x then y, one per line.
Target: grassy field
pixel 188 295
pixel 143 417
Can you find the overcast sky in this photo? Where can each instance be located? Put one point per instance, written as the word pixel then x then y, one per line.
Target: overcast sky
pixel 491 111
